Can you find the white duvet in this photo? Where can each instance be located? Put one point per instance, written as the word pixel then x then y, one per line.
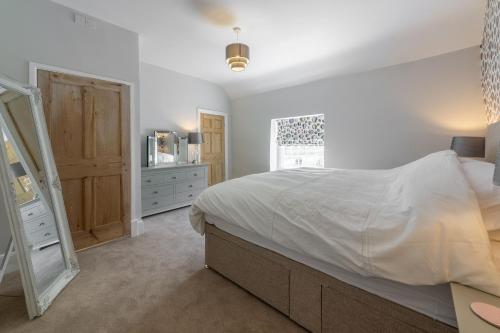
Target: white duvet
pixel 418 224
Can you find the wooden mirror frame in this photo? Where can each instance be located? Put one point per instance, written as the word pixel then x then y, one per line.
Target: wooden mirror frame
pixel 37 302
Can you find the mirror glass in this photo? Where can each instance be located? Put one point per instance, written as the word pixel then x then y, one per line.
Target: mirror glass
pixel 151 149
pixel 183 149
pixel 166 147
pixel 28 180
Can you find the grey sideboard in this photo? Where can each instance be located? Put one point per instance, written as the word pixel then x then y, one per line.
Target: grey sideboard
pixel 39 224
pixel 171 186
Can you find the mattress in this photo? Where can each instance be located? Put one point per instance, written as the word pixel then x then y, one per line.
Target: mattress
pixel 433 301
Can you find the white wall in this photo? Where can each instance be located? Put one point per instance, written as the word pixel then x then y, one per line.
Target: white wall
pixel 377 119
pixel 169 101
pixel 43 32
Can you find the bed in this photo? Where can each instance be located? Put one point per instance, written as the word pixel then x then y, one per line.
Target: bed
pixel 324 291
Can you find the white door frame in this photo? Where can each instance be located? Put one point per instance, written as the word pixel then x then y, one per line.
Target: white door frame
pixel 136 224
pixel 226 136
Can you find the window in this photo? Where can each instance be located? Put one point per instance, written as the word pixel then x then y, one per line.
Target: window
pixel 297 142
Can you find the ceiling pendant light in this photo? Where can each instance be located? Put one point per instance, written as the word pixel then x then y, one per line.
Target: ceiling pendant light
pixel 237 54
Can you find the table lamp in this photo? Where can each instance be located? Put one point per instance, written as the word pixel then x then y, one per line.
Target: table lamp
pixel 469 146
pixel 196 138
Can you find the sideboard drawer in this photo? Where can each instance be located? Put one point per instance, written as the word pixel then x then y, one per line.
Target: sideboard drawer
pixel 32 211
pixel 174 177
pixel 44 235
pixel 190 185
pixel 195 173
pixel 158 191
pixel 153 179
pixel 38 224
pixel 186 196
pixel 154 203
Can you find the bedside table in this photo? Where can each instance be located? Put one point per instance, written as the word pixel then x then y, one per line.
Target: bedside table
pixel 468 322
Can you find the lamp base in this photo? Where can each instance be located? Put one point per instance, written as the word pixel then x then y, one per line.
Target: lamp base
pixel 197 154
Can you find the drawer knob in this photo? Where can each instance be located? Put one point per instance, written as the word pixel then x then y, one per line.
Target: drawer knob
pixel 47 234
pixel 190 196
pixel 174 177
pixel 155 192
pixel 30 214
pixel 148 181
pixel 190 186
pixel 195 174
pixel 155 203
pixel 41 224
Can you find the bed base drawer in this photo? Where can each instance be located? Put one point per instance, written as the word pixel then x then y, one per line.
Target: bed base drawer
pixel 345 306
pixel 262 277
pixel 339 315
pixel 305 300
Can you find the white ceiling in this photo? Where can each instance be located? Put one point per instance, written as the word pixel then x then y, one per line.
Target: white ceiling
pixel 291 41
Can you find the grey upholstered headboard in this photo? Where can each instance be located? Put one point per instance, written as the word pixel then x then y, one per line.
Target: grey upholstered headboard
pixel 492 141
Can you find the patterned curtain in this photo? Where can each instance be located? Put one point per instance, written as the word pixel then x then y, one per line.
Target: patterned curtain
pixel 308 130
pixel 490 60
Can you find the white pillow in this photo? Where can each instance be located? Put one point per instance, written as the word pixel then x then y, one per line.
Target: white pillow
pixel 480 176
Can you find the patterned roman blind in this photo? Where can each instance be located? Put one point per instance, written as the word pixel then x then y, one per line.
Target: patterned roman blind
pixel 307 130
pixel 490 61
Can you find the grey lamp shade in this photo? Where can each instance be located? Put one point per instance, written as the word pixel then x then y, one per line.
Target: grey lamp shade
pixel 468 146
pixel 195 138
pixel 496 175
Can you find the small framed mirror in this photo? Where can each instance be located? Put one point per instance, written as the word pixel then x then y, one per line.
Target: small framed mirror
pixel 151 149
pixel 31 192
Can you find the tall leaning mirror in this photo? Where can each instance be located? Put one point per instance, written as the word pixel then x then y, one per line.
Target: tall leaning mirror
pixel 32 197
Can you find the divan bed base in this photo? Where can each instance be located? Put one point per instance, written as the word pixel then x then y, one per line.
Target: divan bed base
pixel 314 300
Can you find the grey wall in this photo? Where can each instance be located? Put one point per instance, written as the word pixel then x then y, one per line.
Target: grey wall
pixel 378 119
pixel 43 32
pixel 169 101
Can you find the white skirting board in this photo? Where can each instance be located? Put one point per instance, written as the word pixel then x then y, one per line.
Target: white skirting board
pixel 137 227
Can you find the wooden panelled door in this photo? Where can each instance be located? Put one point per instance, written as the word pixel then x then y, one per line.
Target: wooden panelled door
pixel 88 122
pixel 213 149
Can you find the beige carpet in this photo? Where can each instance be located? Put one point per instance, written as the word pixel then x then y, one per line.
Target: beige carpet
pixel 152 283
